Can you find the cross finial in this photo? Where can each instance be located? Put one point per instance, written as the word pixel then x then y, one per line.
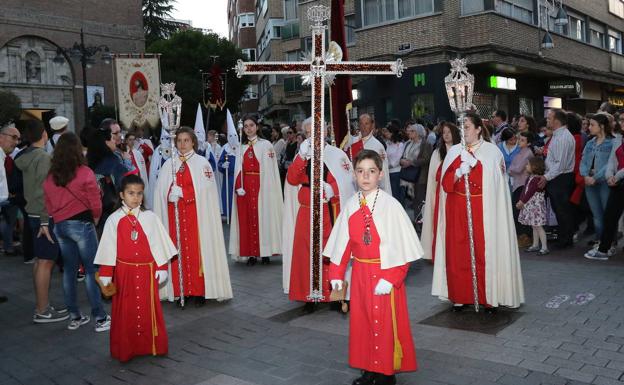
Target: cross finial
pixel 318 14
pixel 170 106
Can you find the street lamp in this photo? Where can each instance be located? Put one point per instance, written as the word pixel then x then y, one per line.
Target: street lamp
pixel 86 56
pixel 561 19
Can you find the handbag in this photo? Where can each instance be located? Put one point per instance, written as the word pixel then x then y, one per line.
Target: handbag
pixel 108 290
pixel 340 296
pixel 409 173
pixel 108 191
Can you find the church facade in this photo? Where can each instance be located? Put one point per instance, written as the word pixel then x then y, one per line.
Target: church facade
pixel 35 35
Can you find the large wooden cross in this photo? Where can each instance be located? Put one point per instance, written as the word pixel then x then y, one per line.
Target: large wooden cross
pixel 322 69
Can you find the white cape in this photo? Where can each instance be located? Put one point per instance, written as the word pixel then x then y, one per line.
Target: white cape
pixel 426 236
pixel 503 276
pixel 161 152
pixel 159 241
pixel 212 246
pixel 270 203
pixel 399 242
pixel 336 162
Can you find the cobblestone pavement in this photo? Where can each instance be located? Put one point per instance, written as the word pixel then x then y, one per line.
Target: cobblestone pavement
pixel 258 338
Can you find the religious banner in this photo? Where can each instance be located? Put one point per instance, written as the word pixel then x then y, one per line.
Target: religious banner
pixel 137 89
pixel 214 87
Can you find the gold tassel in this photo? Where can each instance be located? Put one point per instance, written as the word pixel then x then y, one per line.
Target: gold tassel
pixel 398 349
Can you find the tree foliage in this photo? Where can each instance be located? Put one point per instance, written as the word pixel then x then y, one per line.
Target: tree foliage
pixel 155 23
pixel 184 55
pixel 10 107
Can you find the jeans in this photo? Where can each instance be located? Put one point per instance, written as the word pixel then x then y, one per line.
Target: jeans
pixel 9 219
pixel 78 243
pixel 597 196
pixel 613 212
pixel 397 190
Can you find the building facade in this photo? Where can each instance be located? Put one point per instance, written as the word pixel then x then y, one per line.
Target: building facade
pixel 501 39
pixel 31 33
pixel 242 32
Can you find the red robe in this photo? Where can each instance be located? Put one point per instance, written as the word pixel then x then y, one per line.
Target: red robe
pixel 300 268
pixel 435 212
pixel 248 205
pixel 458 266
pixel 192 269
pixel 371 336
pixel 147 152
pixel 137 326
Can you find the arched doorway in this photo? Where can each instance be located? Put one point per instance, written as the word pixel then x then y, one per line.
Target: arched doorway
pixel 45 88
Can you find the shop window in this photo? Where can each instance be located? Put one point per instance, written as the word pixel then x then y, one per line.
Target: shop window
pixel 526 106
pixel 423 106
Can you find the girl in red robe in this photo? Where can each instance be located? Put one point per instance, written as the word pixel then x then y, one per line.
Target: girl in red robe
pixel 374 232
pixel 133 254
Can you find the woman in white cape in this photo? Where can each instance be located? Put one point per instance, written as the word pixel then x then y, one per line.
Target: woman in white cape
pixel 213 260
pixel 502 278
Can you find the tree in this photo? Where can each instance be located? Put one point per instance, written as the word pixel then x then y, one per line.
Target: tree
pixel 184 55
pixel 155 23
pixel 10 107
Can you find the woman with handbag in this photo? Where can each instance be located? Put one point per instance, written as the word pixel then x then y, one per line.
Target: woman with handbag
pixel 416 157
pixel 72 198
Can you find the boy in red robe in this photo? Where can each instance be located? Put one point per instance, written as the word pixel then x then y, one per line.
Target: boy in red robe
pixel 374 232
pixel 133 253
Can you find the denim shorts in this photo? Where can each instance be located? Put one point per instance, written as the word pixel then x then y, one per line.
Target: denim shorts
pixel 42 247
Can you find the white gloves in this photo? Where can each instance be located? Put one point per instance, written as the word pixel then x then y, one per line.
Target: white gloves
pixel 106 280
pixel 240 191
pixel 175 194
pixel 383 287
pixel 336 284
pixel 329 191
pixel 225 164
pixel 161 276
pixel 468 158
pixel 464 168
pixel 304 149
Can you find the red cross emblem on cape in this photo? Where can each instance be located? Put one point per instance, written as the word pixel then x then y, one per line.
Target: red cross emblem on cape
pixel 207 173
pixel 271 154
pixel 346 165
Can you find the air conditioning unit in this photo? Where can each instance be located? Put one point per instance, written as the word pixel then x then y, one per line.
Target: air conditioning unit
pixel 405 47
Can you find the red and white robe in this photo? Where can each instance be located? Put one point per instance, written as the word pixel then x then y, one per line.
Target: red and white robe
pixel 137 326
pixel 380 338
pixel 256 230
pixel 499 277
pixel 205 270
pixel 434 197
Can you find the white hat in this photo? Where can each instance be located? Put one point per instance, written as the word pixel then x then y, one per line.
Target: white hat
pixel 57 123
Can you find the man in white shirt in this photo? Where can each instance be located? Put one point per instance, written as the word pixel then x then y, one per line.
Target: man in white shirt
pixel 559 176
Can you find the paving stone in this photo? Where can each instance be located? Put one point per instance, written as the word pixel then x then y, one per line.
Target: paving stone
pixel 606 372
pixel 538 366
pixel 575 375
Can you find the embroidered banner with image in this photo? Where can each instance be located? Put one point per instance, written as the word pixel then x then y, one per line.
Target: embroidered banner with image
pixel 137 87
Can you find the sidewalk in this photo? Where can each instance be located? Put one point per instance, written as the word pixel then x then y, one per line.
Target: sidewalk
pixel 254 339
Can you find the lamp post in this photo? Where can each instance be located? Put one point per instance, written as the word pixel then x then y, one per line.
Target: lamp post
pixel 86 55
pixel 561 19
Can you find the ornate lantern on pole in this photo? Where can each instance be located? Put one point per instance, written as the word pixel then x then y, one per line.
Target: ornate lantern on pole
pixel 460 91
pixel 170 106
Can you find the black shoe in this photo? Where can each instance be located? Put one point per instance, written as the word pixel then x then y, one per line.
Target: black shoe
pixel 457 308
pixel 367 378
pixel 3 299
pixel 266 261
pixel 382 379
pixel 200 301
pixel 251 261
pixel 309 308
pixel 491 310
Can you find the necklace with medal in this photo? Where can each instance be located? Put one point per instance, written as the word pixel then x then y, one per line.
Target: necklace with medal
pixel 367 238
pixel 134 234
pixel 184 159
pixel 250 154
